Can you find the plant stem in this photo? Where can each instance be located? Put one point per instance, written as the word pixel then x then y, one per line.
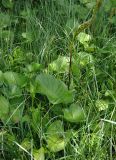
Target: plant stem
pixel 70 65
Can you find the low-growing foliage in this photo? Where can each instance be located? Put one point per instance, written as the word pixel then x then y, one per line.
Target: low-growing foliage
pixel 58 79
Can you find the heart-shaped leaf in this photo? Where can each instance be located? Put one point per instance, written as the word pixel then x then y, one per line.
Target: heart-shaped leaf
pixel 12 91
pixel 55 90
pixel 56 144
pixel 54 136
pixel 84 58
pixel 34 67
pixel 39 154
pixel 84 38
pixel 14 78
pixel 60 65
pixel 74 113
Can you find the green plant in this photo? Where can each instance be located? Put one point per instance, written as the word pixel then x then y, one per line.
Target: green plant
pixel 57 80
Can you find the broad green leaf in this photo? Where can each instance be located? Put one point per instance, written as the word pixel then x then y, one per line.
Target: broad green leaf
pixel 13 78
pixel 7 3
pixel 55 128
pixel 55 90
pixel 15 91
pixel 101 104
pixel 39 154
pixel 12 91
pixel 4 108
pixel 89 48
pixel 4 20
pixel 54 136
pixel 56 144
pixel 60 65
pixel 84 58
pixel 74 113
pixel 84 38
pixel 34 67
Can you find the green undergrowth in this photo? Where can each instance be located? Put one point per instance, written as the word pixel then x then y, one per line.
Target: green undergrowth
pixel 57 92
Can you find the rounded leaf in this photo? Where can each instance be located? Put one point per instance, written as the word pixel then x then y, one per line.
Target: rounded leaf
pixel 54 136
pixel 74 113
pixel 14 78
pixel 83 37
pixel 34 67
pixel 55 90
pixel 12 91
pixel 39 154
pixel 60 65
